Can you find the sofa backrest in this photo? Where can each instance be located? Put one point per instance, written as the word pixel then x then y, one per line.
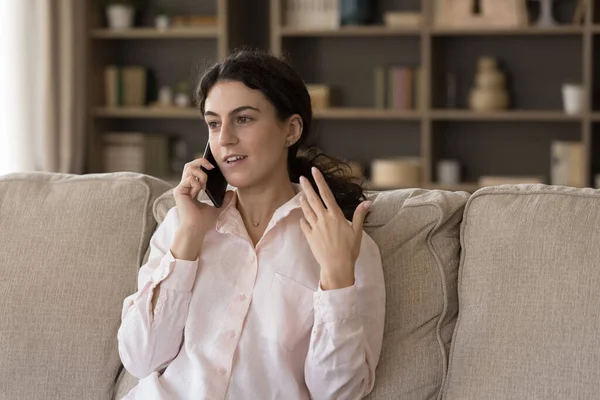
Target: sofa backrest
pixel 529 295
pixel 70 249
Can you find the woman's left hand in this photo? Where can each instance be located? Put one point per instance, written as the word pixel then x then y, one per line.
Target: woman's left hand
pixel 334 242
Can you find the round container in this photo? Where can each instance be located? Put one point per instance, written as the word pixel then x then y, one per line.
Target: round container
pixel 396 173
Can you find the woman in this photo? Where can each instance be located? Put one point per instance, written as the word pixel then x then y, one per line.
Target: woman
pixel 275 295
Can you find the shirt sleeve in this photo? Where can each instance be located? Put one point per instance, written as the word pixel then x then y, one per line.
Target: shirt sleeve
pixel 148 341
pixel 347 335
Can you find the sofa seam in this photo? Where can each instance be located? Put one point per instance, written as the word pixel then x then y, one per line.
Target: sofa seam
pixel 444 356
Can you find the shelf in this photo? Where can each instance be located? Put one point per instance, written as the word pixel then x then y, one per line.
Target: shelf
pixel 329 113
pixel 365 113
pixel 533 31
pixel 374 30
pixel 147 112
pixel 151 33
pixel 509 115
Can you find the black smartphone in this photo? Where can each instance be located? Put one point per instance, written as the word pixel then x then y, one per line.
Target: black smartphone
pixel 216 184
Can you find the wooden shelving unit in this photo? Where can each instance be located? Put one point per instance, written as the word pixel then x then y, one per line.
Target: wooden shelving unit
pixel 433 48
pixel 538 59
pixel 174 55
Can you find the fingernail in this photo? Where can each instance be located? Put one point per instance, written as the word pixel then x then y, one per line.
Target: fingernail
pixel 368 205
pixel 314 169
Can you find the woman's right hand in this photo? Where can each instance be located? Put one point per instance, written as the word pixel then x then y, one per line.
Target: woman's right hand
pixel 193 215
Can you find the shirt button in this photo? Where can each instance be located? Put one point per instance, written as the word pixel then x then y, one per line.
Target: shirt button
pixel 222 371
pixel 242 297
pixel 231 334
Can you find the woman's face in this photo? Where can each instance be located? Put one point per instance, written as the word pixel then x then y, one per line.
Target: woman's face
pixel 246 137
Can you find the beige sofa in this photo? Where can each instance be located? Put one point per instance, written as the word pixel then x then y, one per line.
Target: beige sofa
pixel 489 296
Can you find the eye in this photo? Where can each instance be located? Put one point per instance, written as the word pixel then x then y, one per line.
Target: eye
pixel 243 119
pixel 212 124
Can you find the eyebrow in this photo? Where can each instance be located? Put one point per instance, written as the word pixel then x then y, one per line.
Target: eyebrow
pixel 235 111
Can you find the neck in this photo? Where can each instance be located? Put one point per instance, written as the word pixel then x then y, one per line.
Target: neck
pixel 257 204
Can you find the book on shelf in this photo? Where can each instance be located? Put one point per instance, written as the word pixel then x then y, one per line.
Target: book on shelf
pixel 398 87
pixel 566 167
pixel 144 153
pixel 125 86
pixel 312 14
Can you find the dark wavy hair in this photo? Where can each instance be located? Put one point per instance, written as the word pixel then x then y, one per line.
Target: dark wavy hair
pixel 285 89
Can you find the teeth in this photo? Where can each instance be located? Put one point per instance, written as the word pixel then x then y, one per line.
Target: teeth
pixel 232 159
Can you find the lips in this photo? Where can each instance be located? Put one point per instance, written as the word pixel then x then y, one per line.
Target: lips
pixel 230 159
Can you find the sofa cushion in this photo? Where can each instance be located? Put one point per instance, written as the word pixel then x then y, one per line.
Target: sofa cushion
pixel 417 232
pixel 528 292
pixel 71 247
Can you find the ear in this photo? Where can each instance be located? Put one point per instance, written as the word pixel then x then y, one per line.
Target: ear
pixel 295 127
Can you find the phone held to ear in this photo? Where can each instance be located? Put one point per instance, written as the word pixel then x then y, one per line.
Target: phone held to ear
pixel 216 185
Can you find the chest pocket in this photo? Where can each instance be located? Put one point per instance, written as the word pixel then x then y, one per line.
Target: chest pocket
pixel 288 308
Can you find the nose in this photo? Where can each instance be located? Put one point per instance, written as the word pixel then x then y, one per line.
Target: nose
pixel 227 135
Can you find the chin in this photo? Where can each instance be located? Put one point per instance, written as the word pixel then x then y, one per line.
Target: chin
pixel 241 181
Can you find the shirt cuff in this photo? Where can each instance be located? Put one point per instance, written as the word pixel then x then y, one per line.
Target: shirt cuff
pixel 335 305
pixel 175 274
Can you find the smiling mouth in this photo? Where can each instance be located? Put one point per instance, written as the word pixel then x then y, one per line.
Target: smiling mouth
pixel 231 160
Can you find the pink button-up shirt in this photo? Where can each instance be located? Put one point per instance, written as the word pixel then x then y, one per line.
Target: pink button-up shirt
pixel 246 322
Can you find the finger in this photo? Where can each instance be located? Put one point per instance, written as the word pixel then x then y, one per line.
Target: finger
pixel 196 186
pixel 196 165
pixel 359 216
pixel 185 188
pixel 324 190
pixel 200 176
pixel 201 162
pixel 309 214
pixel 312 197
pixel 304 225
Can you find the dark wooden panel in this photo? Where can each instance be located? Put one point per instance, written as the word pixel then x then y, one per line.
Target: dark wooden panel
pixel 171 60
pixel 348 64
pixel 487 148
pixel 535 67
pixel 363 141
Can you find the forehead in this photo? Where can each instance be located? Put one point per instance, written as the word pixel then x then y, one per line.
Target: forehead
pixel 229 95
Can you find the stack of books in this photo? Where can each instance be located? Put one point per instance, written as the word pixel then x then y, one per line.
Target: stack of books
pixel 125 86
pixel 398 87
pixel 139 152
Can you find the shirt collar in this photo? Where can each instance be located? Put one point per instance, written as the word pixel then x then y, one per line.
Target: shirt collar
pixel 230 220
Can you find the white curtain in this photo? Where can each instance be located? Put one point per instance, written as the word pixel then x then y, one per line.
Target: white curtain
pixel 42 89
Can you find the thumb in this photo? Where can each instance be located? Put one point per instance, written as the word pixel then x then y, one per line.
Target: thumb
pixel 359 216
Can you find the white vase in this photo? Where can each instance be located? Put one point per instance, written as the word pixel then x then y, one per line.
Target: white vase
pixel 573 98
pixel 161 22
pixel 448 172
pixel 182 100
pixel 546 19
pixel 119 16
